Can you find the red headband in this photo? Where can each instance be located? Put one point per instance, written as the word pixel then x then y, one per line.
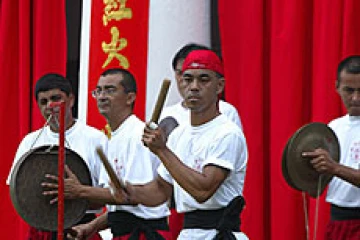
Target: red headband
pixel 203 59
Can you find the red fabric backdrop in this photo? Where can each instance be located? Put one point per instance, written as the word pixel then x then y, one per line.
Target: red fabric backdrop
pixel 280 61
pixel 32 42
pixel 134 30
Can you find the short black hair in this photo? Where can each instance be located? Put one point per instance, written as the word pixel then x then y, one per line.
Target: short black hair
pixel 350 64
pixel 51 81
pixel 185 50
pixel 128 82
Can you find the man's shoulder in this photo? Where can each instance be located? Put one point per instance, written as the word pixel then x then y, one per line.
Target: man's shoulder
pixel 230 111
pixel 89 131
pixel 176 110
pixel 226 107
pixel 32 135
pixel 224 127
pixel 338 121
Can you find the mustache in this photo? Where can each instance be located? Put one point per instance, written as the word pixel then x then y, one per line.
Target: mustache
pixel 193 95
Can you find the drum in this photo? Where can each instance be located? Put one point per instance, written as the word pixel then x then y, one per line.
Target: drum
pixel 26 190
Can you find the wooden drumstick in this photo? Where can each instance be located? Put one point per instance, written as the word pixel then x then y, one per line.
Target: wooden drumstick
pixel 118 183
pixel 160 101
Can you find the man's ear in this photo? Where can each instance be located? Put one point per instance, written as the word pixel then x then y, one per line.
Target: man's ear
pixel 72 100
pixel 337 84
pixel 131 97
pixel 221 85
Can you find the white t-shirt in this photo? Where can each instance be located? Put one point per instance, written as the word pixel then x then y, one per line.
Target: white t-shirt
pixel 133 163
pixel 182 114
pixel 340 192
pixel 80 138
pixel 219 142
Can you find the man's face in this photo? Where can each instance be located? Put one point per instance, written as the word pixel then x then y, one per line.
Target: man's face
pixel 201 88
pixel 111 98
pixel 46 98
pixel 349 91
pixel 178 77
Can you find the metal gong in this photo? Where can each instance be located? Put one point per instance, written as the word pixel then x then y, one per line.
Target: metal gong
pixel 168 124
pixel 26 190
pixel 299 169
pixel 284 167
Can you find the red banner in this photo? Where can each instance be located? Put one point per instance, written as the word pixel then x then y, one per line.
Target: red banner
pixel 118 38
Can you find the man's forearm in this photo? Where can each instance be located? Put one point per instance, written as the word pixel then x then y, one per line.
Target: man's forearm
pixel 348 174
pixel 100 223
pixel 98 195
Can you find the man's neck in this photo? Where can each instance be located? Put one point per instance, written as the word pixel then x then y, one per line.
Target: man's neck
pixel 199 118
pixel 115 122
pixel 68 125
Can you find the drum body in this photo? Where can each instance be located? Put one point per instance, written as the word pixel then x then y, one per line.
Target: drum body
pixel 27 193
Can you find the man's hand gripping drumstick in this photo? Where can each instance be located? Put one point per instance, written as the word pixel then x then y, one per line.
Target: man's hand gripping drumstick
pixel 118 188
pixel 116 182
pixel 154 137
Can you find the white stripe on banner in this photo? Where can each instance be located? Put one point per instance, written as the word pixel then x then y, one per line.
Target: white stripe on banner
pixel 84 61
pixel 84 75
pixel 172 24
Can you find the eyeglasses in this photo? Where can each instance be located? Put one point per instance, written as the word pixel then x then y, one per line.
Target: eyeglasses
pixel 106 91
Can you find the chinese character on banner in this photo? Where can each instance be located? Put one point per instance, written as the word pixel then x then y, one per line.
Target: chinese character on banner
pixel 116 9
pixel 113 48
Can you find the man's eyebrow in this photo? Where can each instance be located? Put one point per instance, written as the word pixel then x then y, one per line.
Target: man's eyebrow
pixel 188 74
pixel 204 74
pixel 106 86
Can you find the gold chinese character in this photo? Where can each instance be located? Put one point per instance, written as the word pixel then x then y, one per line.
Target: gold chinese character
pixel 115 9
pixel 112 49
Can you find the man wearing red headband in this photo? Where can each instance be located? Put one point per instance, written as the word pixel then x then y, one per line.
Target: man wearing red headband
pixel 203 163
pixel 181 113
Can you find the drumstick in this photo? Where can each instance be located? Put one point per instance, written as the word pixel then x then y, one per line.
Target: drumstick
pixel 160 100
pixel 119 185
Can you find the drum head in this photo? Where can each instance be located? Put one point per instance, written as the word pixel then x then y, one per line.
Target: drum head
pixel 26 190
pixel 307 139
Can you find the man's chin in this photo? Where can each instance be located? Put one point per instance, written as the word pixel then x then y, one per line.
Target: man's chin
pixel 104 112
pixel 354 112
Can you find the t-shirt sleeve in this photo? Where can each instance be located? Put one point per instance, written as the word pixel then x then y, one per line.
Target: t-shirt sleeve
pixel 229 152
pixel 232 114
pixel 23 148
pixel 164 174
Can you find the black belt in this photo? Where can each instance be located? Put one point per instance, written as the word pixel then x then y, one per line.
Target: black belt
pixel 123 223
pixel 226 220
pixel 344 213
